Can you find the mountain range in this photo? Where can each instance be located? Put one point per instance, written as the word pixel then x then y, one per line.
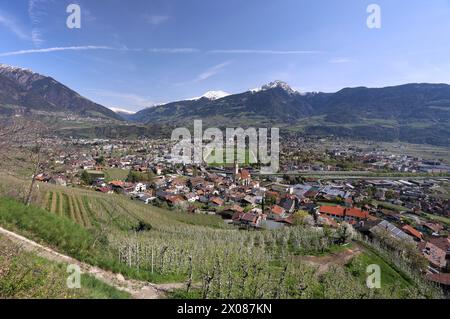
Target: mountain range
pixel 29 91
pixel 417 113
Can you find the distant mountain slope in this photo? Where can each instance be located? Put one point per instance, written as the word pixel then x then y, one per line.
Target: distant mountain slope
pixel 35 92
pixel 271 105
pixel 418 113
pixel 403 103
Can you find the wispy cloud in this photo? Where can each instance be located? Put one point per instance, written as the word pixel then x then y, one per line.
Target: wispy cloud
pixel 173 50
pixel 57 49
pixel 37 15
pixel 36 37
pixel 244 51
pixel 8 22
pixel 155 19
pixel 212 71
pixel 96 47
pixel 34 10
pixel 340 60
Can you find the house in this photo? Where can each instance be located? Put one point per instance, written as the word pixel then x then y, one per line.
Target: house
pixel 117 186
pixel 139 187
pixel 252 219
pixel 230 211
pixel 434 227
pixel 196 182
pixel 437 251
pixel 216 201
pixel 42 178
pixel 175 200
pixel 242 176
pixel 390 215
pixel 385 226
pixel 336 212
pixel 276 212
pixel 355 214
pixel 288 204
pixel 435 255
pixel 442 279
pixel 58 180
pixel 344 214
pixel 105 190
pixel 191 197
pixel 417 235
pixel 249 200
pixel 312 192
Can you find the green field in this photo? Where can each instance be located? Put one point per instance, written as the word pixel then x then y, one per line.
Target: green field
pixel 391 206
pixel 391 278
pixel 116 174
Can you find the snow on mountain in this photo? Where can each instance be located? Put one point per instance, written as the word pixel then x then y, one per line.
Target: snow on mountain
pixel 11 68
pixel 273 85
pixel 117 110
pixel 21 75
pixel 212 95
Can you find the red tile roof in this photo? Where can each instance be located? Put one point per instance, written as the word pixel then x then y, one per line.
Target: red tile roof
pixel 442 278
pixel 342 212
pixel 332 210
pixel 117 183
pixel 237 208
pixel 175 199
pixel 356 212
pixel 434 254
pixel 249 217
pixel 413 232
pixel 245 174
pixel 217 201
pixel 277 210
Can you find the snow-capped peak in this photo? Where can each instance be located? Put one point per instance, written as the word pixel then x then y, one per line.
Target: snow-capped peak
pixel 273 85
pixel 7 67
pixel 117 110
pixel 278 84
pixel 212 95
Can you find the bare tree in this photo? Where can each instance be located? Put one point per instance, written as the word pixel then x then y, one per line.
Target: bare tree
pixel 17 135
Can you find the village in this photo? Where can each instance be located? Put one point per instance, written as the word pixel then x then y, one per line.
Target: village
pixel 411 208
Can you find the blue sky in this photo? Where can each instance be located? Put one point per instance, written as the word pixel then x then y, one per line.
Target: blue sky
pixel 131 54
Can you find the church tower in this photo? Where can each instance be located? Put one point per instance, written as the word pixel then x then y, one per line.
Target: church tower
pixel 236 171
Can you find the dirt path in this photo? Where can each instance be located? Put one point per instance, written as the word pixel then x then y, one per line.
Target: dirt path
pixel 137 289
pixel 323 263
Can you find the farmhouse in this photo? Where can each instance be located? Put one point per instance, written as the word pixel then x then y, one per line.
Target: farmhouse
pixel 343 213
